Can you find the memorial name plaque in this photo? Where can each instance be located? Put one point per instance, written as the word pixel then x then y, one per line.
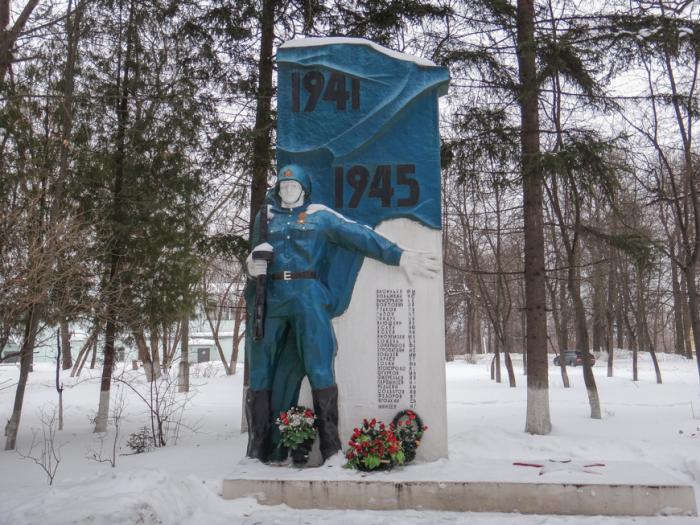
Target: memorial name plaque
pixel 396 348
pixel 362 120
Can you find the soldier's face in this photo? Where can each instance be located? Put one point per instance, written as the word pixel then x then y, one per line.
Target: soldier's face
pixel 291 192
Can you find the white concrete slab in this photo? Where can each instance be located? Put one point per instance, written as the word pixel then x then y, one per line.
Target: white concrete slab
pixel 571 488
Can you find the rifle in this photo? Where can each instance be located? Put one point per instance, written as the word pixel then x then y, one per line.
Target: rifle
pixel 261 281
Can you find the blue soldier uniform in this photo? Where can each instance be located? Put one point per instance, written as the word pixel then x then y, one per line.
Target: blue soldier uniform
pixel 299 304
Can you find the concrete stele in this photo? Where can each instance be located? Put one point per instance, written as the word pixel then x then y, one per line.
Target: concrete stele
pixel 358 365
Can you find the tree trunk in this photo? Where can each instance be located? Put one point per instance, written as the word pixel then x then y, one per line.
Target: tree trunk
pixel 4 16
pixel 118 219
pixel 184 372
pixel 72 37
pixel 654 360
pixel 9 37
pixel 558 294
pixel 215 334
pixel 523 331
pixel 262 155
pixel 651 345
pixel 556 318
pixel 497 358
pixel 237 333
pixel 643 323
pixel 687 323
pixel 83 354
pixel 26 351
pixel 582 343
pixel 59 385
pixel 478 343
pixel 155 353
pixel 93 359
pixel 564 371
pixel 169 354
pixel 144 355
pixel 678 307
pixel 537 419
pixel 165 341
pixel 4 337
pixel 694 310
pixel 262 139
pixel 639 326
pixel 610 315
pixel 599 325
pixel 633 341
pixel 106 382
pixel 468 328
pixel 65 345
pixel 509 368
pixel 620 323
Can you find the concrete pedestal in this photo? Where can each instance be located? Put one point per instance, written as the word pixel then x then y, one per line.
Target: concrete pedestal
pixel 611 492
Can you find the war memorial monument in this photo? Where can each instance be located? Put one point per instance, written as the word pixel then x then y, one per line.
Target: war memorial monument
pixel 347 256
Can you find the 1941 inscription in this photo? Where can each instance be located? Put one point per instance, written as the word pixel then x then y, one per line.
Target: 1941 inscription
pixel 396 348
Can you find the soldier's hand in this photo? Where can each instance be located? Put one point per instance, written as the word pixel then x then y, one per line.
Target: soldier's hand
pixel 257 266
pixel 416 263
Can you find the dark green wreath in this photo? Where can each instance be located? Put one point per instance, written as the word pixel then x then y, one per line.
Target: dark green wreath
pixel 409 429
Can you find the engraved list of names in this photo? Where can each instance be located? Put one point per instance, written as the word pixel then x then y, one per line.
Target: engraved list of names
pixel 396 348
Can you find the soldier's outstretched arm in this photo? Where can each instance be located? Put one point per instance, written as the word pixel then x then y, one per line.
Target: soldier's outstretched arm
pixel 360 238
pixel 365 240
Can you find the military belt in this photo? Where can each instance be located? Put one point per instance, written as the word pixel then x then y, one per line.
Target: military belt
pixel 290 276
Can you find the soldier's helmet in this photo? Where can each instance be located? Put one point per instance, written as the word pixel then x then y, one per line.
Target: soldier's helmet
pixel 294 172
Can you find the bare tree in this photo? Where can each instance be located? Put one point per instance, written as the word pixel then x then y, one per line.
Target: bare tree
pixel 165 405
pixel 220 288
pixel 671 61
pixel 48 455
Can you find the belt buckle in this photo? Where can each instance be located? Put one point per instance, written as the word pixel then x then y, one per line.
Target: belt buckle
pixel 286 275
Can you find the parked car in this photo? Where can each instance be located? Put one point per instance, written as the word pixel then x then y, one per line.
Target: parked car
pixel 573 358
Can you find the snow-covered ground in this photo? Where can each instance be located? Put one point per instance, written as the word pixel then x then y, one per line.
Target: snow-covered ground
pixel 181 483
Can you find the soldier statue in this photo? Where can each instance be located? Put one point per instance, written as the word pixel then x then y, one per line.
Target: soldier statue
pixel 297 314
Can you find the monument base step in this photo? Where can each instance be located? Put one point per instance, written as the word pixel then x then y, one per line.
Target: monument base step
pixel 568 492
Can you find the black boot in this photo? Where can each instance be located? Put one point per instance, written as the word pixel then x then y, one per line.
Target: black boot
pixel 257 412
pixel 326 408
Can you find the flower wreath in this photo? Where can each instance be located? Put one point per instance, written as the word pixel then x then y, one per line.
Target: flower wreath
pixel 374 446
pixel 297 427
pixel 409 429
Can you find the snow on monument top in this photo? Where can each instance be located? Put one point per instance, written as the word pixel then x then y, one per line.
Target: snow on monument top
pixel 313 42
